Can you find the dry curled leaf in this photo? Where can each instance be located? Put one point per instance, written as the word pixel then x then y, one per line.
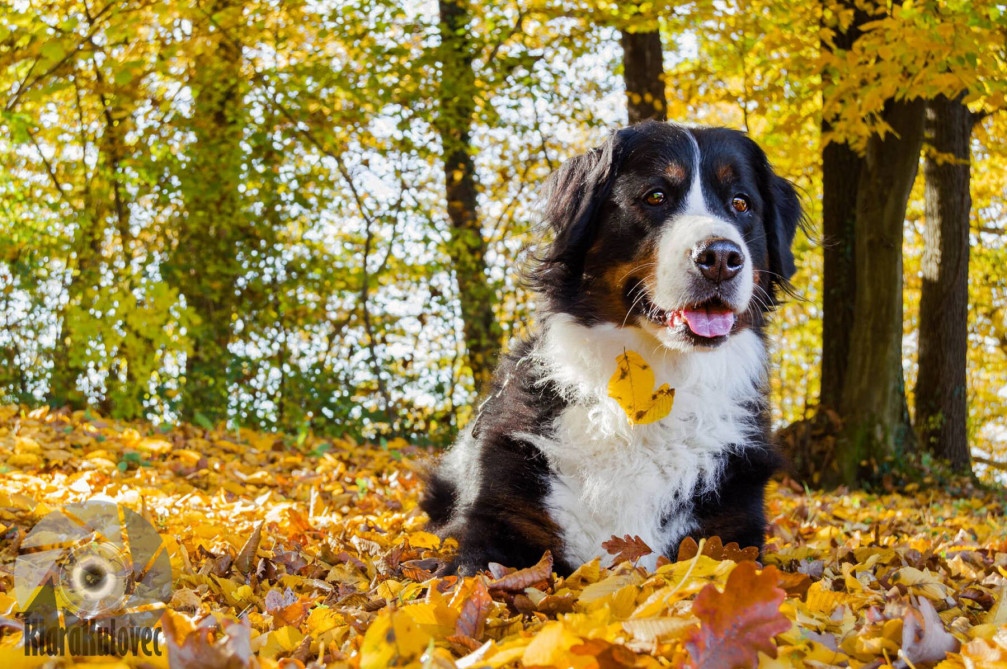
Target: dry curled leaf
pixel 472 619
pixel 740 621
pixel 924 639
pixel 245 562
pixel 207 645
pixel 524 578
pixel 715 550
pixel 628 548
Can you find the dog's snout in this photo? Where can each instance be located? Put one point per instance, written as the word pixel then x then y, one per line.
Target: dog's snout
pixel 718 259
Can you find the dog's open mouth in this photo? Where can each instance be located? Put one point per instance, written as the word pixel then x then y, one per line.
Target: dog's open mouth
pixel 709 319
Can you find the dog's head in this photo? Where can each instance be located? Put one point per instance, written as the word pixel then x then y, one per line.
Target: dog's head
pixel 682 231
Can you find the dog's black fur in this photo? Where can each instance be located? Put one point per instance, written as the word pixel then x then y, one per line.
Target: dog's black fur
pixel 596 224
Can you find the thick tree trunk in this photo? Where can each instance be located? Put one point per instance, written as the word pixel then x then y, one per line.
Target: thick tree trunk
pixel 840 178
pixel 643 74
pixel 467 246
pixel 873 402
pixel 941 406
pixel 205 265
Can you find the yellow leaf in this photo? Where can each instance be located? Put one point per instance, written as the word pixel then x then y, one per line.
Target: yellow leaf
pixel 649 629
pixel 998 614
pixel 393 638
pixel 632 386
pixel 424 540
pixel 322 619
pixel 549 645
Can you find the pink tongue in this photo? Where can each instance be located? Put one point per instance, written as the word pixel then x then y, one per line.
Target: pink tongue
pixel 709 323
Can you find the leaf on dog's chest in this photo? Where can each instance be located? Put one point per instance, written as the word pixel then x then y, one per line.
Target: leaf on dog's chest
pixel 632 386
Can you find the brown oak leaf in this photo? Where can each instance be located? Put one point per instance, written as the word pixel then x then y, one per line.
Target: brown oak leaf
pixel 739 622
pixel 627 548
pixel 472 619
pixel 524 578
pixel 715 550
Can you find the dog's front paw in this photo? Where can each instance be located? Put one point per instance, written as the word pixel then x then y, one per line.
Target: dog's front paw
pixel 463 567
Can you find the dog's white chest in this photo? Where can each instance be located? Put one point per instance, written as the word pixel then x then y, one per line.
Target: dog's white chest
pixel 612 477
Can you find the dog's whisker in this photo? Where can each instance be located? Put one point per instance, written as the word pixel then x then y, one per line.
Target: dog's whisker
pixel 643 293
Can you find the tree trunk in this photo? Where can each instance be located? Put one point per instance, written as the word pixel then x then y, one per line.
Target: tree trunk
pixel 873 402
pixel 205 264
pixel 643 73
pixel 941 406
pixel 840 178
pixel 467 247
pixel 85 273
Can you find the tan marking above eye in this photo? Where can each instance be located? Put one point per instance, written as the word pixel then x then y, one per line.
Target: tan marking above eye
pixel 725 172
pixel 740 204
pixel 675 172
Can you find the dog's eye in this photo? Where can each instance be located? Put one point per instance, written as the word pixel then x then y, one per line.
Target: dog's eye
pixel 655 197
pixel 740 204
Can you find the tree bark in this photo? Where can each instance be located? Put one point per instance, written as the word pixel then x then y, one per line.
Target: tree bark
pixel 874 402
pixel 941 404
pixel 205 265
pixel 643 74
pixel 467 247
pixel 84 267
pixel 840 178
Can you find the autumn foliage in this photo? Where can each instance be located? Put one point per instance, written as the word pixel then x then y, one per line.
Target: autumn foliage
pixel 299 551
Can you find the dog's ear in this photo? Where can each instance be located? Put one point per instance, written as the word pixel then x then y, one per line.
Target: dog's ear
pixel 782 220
pixel 575 195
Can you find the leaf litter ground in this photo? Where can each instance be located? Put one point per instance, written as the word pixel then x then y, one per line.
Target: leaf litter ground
pixel 310 552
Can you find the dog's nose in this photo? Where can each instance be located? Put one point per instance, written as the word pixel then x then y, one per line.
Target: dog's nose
pixel 718 259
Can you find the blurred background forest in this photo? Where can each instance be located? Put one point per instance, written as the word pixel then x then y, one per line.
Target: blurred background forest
pixel 312 216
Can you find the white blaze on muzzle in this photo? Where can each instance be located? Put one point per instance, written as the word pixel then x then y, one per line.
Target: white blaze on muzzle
pixel 677 277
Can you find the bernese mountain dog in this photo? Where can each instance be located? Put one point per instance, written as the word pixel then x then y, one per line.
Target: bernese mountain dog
pixel 672 241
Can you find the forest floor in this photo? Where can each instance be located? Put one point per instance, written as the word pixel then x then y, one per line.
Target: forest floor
pixel 301 551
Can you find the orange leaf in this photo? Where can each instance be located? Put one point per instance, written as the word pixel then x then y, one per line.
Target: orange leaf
pixel 715 550
pixel 738 622
pixel 795 584
pixel 524 578
pixel 606 655
pixel 627 548
pixel 472 620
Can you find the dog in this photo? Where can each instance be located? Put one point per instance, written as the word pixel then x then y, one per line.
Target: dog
pixel 672 241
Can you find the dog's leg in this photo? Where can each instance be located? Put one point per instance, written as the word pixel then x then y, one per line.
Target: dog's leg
pixel 736 511
pixel 510 532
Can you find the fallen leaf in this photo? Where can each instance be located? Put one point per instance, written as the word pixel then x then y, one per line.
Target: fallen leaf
pixel 472 620
pixel 245 562
pixel 739 622
pixel 715 550
pixel 627 548
pixel 392 638
pixel 523 578
pixel 924 639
